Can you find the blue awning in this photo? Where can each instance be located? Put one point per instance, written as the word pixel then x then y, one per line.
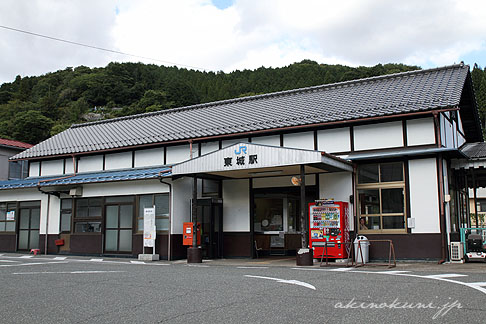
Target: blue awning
pixel 105 176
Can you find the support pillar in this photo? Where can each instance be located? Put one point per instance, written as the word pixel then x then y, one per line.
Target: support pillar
pixel 305 256
pixel 475 198
pixel 194 253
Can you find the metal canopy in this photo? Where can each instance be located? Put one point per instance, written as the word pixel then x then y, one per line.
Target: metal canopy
pixel 248 160
pixel 85 178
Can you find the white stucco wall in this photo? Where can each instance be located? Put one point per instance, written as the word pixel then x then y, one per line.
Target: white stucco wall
pixel 54 215
pixel 460 140
pixel 303 140
pixel 378 136
pixel 338 186
pixel 273 140
pixel 90 163
pixel 424 197
pixel 334 140
pixel 420 131
pixel 124 188
pixel 116 161
pixel 209 147
pixel 232 141
pixel 149 157
pixel 179 153
pixel 236 205
pixel 52 167
pixel 34 168
pixel 181 203
pixel 447 132
pixel 69 166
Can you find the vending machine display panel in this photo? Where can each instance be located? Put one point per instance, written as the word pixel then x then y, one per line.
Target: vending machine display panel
pixel 329 226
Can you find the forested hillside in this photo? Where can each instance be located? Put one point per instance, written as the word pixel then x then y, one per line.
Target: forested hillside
pixel 34 108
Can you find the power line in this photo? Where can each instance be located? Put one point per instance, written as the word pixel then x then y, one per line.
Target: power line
pixel 99 48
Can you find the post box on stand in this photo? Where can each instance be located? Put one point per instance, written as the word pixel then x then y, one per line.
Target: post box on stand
pixel 188 233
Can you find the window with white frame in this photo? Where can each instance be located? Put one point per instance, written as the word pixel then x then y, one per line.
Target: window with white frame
pixel 381 197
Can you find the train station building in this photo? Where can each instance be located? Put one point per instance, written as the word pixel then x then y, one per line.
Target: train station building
pixel 384 145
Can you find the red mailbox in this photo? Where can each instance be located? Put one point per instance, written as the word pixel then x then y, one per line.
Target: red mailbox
pixel 59 242
pixel 187 233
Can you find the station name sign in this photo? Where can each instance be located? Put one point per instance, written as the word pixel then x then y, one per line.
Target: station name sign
pixel 240 158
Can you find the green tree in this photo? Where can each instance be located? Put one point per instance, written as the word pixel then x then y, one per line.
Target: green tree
pixel 56 129
pixel 154 100
pixel 31 127
pixel 481 101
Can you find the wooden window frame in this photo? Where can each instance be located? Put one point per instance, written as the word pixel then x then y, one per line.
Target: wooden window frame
pixel 5 221
pixel 380 186
pixel 88 219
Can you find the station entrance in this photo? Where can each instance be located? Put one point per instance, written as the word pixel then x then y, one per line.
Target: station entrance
pixel 210 216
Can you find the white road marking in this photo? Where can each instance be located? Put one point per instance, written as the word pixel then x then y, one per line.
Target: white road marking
pixel 30 257
pixel 252 267
pixel 393 272
pixel 292 282
pixel 479 284
pixel 446 275
pixel 118 262
pixel 86 260
pixel 66 272
pixel 476 286
pixel 198 265
pixel 29 264
pixel 342 269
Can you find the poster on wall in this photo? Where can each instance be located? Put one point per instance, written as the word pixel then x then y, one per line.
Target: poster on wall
pixel 149 230
pixel 11 215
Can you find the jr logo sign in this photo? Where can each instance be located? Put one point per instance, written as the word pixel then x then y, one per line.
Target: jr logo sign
pixel 241 150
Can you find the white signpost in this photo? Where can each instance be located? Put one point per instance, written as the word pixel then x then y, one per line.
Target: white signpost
pixel 149 234
pixel 149 230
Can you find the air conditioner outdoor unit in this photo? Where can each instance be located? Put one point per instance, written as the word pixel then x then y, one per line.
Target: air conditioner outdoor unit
pixel 76 192
pixel 457 252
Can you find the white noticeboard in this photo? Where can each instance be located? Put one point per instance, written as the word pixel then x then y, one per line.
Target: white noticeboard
pixel 149 230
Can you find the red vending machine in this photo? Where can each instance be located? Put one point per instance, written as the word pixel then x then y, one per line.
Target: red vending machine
pixel 329 223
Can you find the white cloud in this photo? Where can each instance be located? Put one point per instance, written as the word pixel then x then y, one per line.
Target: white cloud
pixel 86 22
pixel 249 34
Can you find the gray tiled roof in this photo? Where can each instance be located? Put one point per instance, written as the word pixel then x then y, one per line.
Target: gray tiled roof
pixel 372 97
pixel 474 150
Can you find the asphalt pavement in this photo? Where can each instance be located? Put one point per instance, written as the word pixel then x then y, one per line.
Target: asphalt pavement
pixel 71 289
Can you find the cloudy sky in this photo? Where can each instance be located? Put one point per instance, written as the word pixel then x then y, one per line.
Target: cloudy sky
pixel 239 34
